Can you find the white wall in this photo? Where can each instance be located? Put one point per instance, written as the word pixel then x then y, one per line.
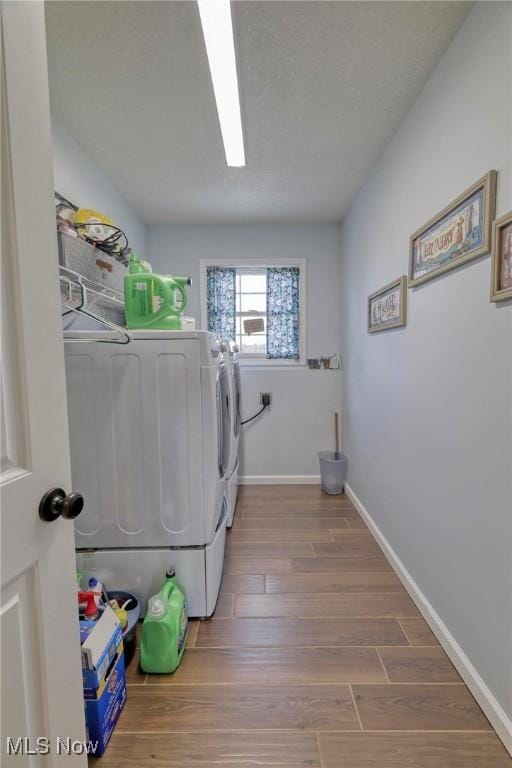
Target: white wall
pixel 428 408
pixel 286 439
pixel 80 181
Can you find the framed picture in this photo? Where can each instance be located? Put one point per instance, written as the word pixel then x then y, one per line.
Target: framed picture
pixel 387 308
pixel 460 233
pixel 501 253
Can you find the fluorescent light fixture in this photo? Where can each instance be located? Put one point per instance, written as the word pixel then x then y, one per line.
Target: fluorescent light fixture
pixel 220 48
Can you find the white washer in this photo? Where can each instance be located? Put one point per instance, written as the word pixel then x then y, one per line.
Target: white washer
pixel 149 454
pixel 231 360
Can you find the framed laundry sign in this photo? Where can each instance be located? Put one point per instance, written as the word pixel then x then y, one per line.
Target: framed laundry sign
pixel 459 233
pixel 387 307
pixel 501 285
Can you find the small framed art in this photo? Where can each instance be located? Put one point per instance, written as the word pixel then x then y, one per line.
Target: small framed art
pixel 501 254
pixel 387 308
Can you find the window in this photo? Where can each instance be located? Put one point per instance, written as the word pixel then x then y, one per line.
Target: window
pixel 251 311
pixel 260 307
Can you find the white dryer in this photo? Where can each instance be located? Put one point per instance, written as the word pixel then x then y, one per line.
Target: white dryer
pixel 149 454
pixel 231 360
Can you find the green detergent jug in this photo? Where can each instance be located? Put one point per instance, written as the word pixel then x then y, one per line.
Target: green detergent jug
pixel 165 628
pixel 153 301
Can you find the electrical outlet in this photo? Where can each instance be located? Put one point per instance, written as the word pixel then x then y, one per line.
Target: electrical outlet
pixel 265 398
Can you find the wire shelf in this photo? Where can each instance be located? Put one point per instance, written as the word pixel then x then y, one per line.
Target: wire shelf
pixel 84 296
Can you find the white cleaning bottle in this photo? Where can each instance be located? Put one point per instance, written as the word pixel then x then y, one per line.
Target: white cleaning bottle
pixel 96 587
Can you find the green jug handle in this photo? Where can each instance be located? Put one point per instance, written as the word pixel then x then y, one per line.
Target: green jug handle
pixel 180 288
pixel 167 589
pixel 163 311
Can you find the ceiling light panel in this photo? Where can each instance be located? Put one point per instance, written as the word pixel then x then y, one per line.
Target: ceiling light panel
pixel 220 47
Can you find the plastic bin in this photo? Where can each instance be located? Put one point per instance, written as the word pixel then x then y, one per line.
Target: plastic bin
pixel 333 471
pixel 133 611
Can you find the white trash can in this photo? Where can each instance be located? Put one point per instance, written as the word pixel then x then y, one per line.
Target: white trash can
pixel 333 471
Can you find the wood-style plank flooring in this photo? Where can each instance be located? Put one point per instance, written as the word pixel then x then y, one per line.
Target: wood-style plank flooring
pixel 316 658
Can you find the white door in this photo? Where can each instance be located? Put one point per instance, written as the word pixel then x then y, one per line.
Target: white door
pixel 40 648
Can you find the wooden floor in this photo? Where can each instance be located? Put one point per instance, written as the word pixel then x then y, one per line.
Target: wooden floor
pixel 316 657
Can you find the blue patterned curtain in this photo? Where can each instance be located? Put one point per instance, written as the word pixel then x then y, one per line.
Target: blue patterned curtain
pixel 221 301
pixel 283 313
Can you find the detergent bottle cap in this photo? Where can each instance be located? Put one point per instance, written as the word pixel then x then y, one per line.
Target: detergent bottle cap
pixel 170 574
pixel 93 582
pixel 157 607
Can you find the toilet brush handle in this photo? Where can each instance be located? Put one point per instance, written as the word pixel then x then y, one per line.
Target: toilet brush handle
pixel 337 432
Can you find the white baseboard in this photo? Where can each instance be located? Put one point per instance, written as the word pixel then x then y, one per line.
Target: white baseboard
pixel 279 480
pixel 496 715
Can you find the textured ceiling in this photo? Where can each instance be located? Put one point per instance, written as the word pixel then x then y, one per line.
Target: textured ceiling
pixel 323 87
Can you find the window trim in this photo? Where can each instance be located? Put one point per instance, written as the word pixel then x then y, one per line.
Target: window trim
pixel 258 361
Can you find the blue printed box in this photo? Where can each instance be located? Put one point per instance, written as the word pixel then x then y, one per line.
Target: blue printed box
pixel 104 705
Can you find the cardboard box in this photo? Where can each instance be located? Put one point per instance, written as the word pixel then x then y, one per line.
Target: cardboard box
pixel 99 640
pixel 104 705
pixel 103 675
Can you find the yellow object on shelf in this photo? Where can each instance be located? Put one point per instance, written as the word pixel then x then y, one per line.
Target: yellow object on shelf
pixel 93 224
